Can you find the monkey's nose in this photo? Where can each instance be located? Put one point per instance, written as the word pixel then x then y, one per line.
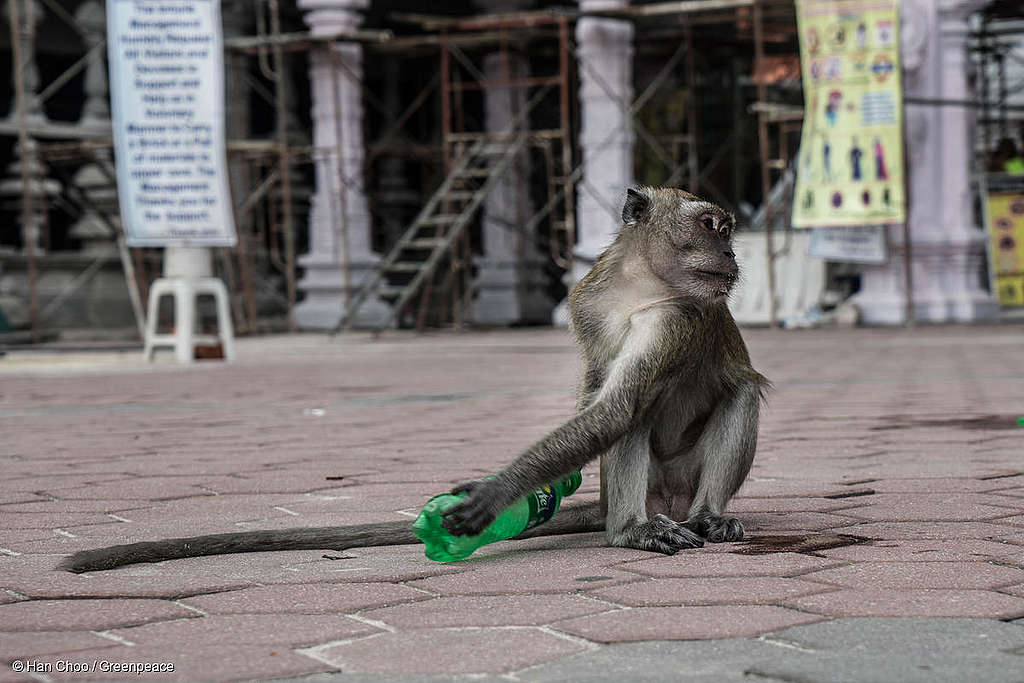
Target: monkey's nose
pixel 730 254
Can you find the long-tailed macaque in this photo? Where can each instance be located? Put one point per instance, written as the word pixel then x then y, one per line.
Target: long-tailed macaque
pixel 668 401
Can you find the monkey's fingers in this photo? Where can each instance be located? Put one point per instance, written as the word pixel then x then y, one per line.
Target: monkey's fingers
pixel 717 529
pixel 663 535
pixel 470 517
pixel 467 487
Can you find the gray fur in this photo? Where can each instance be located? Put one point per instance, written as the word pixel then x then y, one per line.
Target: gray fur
pixel 669 402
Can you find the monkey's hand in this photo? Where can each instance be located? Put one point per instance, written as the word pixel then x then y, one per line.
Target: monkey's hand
pixel 481 506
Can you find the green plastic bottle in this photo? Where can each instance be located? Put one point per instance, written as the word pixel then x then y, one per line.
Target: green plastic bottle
pixel 533 509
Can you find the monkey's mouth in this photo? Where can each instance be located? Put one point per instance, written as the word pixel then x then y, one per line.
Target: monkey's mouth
pixel 716 275
pixel 721 282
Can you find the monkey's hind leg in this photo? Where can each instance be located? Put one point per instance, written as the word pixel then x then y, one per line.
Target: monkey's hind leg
pixel 725 452
pixel 624 482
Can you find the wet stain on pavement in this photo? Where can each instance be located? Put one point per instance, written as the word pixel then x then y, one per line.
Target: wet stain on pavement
pixel 763 545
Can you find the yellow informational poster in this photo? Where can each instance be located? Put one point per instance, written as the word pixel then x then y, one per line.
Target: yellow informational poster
pixel 850 168
pixel 1005 217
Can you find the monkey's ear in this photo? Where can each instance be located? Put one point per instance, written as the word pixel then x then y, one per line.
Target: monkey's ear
pixel 637 206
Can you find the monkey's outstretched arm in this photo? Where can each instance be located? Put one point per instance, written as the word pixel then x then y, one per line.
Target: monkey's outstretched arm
pixel 626 393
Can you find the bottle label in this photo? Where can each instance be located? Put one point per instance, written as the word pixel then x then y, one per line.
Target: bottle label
pixel 543 504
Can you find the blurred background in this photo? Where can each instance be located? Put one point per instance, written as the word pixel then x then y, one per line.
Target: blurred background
pixel 463 163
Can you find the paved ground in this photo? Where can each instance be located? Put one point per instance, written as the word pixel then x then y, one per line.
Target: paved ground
pixel 884 514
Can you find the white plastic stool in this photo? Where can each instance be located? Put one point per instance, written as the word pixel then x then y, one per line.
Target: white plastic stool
pixel 187 274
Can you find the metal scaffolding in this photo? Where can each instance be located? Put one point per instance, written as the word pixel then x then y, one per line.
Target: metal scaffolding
pixel 264 169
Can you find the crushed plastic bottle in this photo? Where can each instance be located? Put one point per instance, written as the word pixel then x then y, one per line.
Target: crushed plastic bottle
pixel 533 509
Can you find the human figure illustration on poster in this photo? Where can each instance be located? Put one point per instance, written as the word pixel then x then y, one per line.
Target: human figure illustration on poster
pixel 835 99
pixel 881 173
pixel 855 156
pixel 827 160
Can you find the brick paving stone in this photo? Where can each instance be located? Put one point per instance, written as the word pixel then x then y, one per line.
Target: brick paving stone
pixel 93 615
pixel 779 488
pixel 739 506
pixel 8 676
pixel 527 572
pixel 932 530
pixel 35 576
pixel 6 597
pixel 20 497
pixel 683 623
pixel 953 550
pixel 1015 558
pixel 780 522
pixel 305 599
pixel 56 482
pixel 135 582
pixel 292 630
pixel 1013 590
pixel 931 507
pixel 49 520
pixel 1016 520
pixel 960 575
pixel 1014 492
pixel 449 651
pixel 487 610
pixel 13 539
pixel 144 489
pixel 700 564
pixel 73 506
pixel 763 590
pixel 34 643
pixel 193 662
pixel 921 602
pixel 360 565
pixel 936 485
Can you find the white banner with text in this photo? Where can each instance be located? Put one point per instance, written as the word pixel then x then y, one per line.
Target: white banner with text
pixel 167 96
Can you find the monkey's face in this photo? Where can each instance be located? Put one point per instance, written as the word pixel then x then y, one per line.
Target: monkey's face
pixel 692 251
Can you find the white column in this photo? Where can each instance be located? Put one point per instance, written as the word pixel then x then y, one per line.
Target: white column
pixel 510 281
pixel 30 14
pixel 948 247
pixel 335 207
pixel 92 17
pixel 605 59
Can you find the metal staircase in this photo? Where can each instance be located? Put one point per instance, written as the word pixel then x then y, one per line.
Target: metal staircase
pixel 436 230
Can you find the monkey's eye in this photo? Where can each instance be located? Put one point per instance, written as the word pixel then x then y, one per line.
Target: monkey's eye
pixel 708 222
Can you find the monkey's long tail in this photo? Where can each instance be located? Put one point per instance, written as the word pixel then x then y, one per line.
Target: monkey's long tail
pixel 317 538
pixel 571 519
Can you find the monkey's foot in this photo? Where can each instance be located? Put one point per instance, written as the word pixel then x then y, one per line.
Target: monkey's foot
pixel 660 534
pixel 717 529
pixel 480 507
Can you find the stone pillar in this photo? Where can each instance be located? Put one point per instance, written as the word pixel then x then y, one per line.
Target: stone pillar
pixel 30 13
pixel 605 57
pixel 948 247
pixel 510 281
pixel 42 189
pixel 92 19
pixel 335 208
